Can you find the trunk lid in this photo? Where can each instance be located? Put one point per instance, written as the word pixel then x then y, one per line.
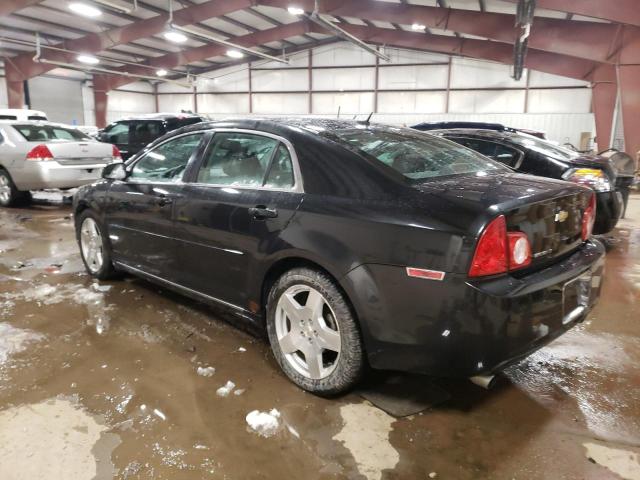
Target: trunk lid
pixel 548 211
pixel 80 152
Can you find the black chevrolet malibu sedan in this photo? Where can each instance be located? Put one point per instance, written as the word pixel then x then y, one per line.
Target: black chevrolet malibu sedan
pixel 351 244
pixel 535 156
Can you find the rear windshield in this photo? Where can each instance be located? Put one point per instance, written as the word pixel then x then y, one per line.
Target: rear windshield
pixel 8 117
pixel 36 117
pixel 42 133
pixel 415 155
pixel 544 147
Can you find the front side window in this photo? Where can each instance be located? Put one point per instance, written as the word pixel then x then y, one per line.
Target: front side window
pixel 241 159
pixel 495 151
pixel 168 161
pixel 417 156
pixel 145 132
pixel 544 147
pixel 43 133
pixel 117 133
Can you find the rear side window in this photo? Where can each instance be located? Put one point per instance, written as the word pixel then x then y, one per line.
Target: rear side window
pixel 417 156
pixel 36 117
pixel 43 133
pixel 117 133
pixel 8 117
pixel 174 123
pixel 280 173
pixel 238 159
pixel 496 151
pixel 146 132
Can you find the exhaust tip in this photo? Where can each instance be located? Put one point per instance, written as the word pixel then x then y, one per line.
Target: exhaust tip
pixel 485 381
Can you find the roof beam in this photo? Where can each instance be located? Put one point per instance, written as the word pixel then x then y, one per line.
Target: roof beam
pixel 553 63
pixel 621 11
pixel 25 67
pixel 172 60
pixel 7 7
pixel 602 42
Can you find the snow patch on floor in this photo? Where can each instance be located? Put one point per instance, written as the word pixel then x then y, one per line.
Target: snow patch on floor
pixel 47 294
pixel 622 462
pixel 365 434
pixel 206 371
pixel 226 389
pixel 265 424
pixel 14 340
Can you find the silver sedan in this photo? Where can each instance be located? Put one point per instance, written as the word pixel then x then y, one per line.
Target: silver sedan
pixel 40 155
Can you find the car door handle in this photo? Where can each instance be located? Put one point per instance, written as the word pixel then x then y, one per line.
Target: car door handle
pixel 164 201
pixel 260 212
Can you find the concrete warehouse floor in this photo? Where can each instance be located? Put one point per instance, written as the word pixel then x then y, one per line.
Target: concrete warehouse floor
pixel 101 380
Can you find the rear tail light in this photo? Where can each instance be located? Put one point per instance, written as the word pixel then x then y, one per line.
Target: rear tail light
pixel 115 153
pixel 40 153
pixel 589 218
pixel 499 251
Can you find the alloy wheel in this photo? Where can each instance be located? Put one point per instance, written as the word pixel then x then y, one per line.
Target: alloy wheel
pixel 307 331
pixel 91 244
pixel 5 189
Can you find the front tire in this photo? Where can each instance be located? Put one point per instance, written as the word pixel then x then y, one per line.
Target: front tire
pixel 94 246
pixel 10 196
pixel 313 332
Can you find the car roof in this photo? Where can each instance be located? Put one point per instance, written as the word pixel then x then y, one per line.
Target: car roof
pixel 37 122
pixel 159 116
pixel 479 133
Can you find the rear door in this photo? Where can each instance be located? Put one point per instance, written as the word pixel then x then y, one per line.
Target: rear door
pixel 234 212
pixel 143 132
pixel 139 210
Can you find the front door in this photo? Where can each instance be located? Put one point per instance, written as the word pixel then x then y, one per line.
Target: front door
pixel 139 211
pixel 233 213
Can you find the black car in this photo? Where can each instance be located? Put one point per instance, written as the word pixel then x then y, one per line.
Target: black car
pixel 132 134
pixel 351 244
pixel 528 154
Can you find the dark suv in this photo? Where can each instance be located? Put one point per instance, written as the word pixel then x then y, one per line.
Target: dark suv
pixel 132 134
pixel 535 156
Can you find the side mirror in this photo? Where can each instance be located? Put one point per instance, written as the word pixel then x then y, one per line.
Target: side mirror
pixel 114 171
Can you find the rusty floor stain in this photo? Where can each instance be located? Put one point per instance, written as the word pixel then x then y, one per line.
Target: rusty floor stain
pixel 119 379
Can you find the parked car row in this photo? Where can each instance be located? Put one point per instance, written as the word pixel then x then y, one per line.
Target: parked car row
pixel 352 244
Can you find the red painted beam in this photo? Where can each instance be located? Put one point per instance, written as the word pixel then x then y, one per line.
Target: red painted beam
pixel 589 40
pixel 96 42
pixel 171 60
pixel 604 95
pixel 481 49
pixel 15 88
pixel 629 78
pixel 620 11
pixel 7 7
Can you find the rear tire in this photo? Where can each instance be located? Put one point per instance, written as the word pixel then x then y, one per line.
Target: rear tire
pixel 313 332
pixel 10 196
pixel 94 246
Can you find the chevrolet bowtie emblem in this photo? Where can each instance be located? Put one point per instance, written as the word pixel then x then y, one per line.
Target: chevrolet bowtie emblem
pixel 561 216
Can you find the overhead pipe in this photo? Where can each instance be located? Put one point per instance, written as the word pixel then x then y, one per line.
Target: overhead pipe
pixel 317 18
pixel 117 6
pixel 219 41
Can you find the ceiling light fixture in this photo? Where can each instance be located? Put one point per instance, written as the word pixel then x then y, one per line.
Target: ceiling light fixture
pixel 91 60
pixel 84 9
pixel 175 37
pixel 235 54
pixel 418 27
pixel 161 73
pixel 295 10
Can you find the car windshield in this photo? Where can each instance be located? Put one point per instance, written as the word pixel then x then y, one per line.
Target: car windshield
pixel 415 155
pixel 544 147
pixel 43 133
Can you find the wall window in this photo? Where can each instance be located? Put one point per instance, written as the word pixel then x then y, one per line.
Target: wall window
pixel 167 162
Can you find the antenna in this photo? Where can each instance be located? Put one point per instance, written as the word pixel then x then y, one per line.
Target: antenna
pixel 368 118
pixel 338 112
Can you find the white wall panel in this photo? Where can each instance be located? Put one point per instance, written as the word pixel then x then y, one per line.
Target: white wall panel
pixel 269 103
pixel 487 101
pixel 412 102
pixel 349 103
pixel 143 87
pixel 223 104
pixel 398 55
pixel 342 54
pixel 4 102
pixel 560 101
pixel 170 87
pixel 61 99
pixel 174 103
pixel 466 73
pixel 279 80
pixel 232 79
pixel 124 104
pixel 300 59
pixel 541 79
pixel 344 79
pixel 413 77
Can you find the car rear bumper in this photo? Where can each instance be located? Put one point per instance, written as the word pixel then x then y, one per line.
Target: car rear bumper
pixel 36 175
pixel 609 206
pixel 458 327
